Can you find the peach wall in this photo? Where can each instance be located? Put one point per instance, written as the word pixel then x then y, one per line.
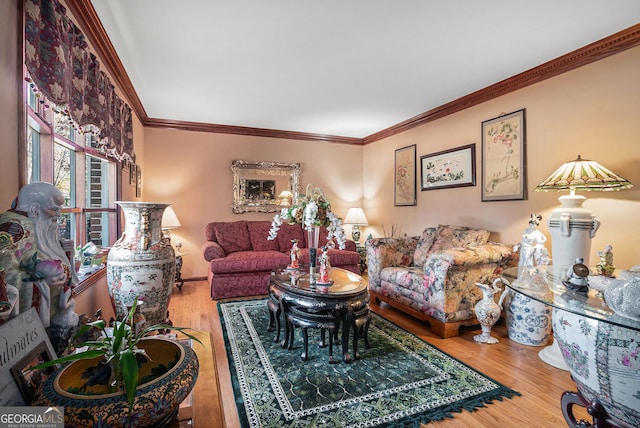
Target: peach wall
pixel 192 171
pixel 593 111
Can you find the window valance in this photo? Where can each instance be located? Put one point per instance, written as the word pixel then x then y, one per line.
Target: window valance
pixel 61 65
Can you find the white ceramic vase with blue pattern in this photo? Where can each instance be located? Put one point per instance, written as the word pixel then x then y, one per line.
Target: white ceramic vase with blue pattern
pixel 528 321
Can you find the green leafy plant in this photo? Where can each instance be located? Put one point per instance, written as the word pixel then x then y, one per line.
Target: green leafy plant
pixel 118 350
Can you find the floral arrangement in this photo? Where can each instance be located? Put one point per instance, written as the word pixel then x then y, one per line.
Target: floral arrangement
pixel 311 209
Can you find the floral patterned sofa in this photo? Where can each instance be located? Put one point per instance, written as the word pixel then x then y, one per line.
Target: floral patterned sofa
pixel 241 258
pixel 432 277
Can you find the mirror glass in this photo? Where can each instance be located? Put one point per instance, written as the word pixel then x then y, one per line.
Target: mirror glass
pixel 264 186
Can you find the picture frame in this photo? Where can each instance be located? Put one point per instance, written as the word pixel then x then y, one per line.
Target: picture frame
pixel 449 168
pixel 132 174
pixel 138 182
pixel 504 157
pixel 29 380
pixel 404 193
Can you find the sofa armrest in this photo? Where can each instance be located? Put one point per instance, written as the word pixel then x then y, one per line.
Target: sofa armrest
pixel 350 245
pixel 212 250
pixel 388 252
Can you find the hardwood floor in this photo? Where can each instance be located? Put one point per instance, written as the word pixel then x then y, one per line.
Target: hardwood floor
pixel 512 364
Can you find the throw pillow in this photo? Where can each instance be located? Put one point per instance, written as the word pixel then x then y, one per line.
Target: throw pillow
pixel 258 233
pixel 457 236
pixel 288 232
pixel 424 245
pixel 233 236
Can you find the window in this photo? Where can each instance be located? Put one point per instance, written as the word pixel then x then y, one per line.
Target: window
pixel 72 161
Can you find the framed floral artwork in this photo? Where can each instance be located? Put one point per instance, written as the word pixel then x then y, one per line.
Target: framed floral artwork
pixel 504 157
pixel 449 168
pixel 405 177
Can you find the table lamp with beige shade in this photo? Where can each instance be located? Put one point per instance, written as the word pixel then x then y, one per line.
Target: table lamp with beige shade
pixel 356 218
pixel 170 221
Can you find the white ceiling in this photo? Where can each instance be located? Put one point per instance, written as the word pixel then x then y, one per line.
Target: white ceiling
pixel 338 67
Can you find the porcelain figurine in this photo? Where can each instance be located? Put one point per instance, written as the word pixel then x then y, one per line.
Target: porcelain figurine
pixel 577 277
pixel 295 255
pixel 325 266
pixel 487 312
pixel 532 249
pixel 606 267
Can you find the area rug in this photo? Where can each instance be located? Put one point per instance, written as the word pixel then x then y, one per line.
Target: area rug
pixel 400 381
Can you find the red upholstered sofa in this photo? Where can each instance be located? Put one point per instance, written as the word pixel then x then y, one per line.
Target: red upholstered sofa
pixel 241 258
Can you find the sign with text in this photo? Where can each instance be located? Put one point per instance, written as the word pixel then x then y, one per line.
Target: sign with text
pixel 23 340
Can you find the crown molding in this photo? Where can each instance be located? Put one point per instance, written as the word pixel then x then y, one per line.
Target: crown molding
pixel 596 51
pixel 255 132
pixel 88 20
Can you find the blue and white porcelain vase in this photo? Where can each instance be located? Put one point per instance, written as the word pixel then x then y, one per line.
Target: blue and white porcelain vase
pixel 528 320
pixel 141 264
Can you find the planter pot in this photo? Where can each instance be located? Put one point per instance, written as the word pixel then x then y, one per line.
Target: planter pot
pixel 141 264
pixel 603 361
pixel 157 399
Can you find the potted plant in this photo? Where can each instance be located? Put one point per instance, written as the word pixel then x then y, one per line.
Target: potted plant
pixel 116 367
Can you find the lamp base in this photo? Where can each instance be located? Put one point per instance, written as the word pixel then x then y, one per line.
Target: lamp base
pixel 571 227
pixel 355 232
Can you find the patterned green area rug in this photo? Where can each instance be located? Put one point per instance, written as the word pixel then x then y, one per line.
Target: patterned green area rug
pixel 400 381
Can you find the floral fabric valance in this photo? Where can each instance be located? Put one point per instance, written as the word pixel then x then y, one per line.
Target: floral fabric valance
pixel 61 65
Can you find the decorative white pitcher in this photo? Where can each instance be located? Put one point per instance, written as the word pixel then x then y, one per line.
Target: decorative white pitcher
pixel 487 312
pixel 141 264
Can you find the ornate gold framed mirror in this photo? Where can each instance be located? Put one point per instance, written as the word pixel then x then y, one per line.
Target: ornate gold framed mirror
pixel 264 186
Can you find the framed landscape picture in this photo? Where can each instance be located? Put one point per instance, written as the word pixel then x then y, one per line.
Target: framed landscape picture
pixel 449 168
pixel 503 157
pixel 405 176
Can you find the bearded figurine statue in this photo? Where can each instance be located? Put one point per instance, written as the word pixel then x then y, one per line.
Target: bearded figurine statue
pixel 35 262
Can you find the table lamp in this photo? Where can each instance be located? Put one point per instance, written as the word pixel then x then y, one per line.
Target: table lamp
pixel 355 217
pixel 572 226
pixel 170 221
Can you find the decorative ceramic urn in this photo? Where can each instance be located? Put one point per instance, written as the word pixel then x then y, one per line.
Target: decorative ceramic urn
pixel 141 264
pixel 604 361
pixel 528 320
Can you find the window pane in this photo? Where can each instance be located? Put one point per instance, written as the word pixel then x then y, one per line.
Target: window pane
pixel 98 191
pixel 62 125
pixel 64 173
pixel 33 155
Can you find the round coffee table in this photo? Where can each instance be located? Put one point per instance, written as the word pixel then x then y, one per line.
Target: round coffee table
pixel 344 304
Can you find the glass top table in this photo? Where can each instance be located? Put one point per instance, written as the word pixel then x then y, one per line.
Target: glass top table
pixel 537 283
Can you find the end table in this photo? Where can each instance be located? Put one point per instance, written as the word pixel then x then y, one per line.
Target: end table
pixel 178 279
pixel 362 250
